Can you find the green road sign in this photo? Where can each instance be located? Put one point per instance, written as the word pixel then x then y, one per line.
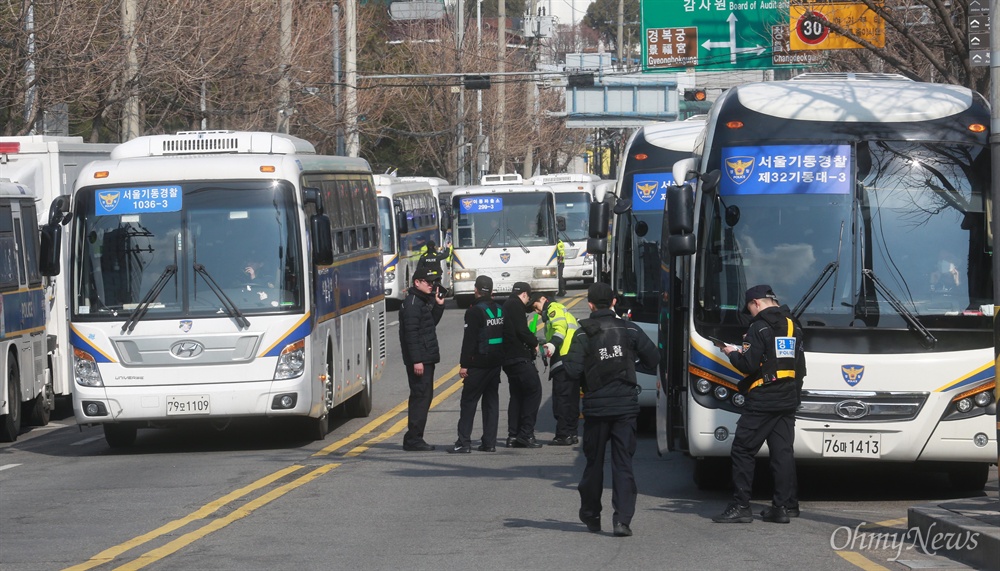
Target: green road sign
pixel 717 35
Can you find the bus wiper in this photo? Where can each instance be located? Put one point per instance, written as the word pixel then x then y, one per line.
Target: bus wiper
pixel 815 288
pixel 140 310
pixel 490 241
pixel 227 303
pixel 518 240
pixel 568 239
pixel 927 339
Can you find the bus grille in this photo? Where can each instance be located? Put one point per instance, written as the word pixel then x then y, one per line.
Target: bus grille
pixel 205 145
pixel 841 406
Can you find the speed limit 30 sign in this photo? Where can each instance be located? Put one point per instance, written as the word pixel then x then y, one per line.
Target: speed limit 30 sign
pixel 811 29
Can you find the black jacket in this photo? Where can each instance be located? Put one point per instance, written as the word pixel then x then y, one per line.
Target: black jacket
pixel 475 322
pixel 519 343
pixel 758 347
pixel 418 318
pixel 620 396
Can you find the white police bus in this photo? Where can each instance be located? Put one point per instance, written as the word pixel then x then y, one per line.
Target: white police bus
pixel 506 230
pixel 23 382
pixel 574 195
pixel 409 218
pixel 217 275
pixel 863 200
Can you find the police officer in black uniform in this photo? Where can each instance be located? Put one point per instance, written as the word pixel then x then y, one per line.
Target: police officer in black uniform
pixel 603 354
pixel 520 346
pixel 418 318
pixel 773 359
pixel 480 360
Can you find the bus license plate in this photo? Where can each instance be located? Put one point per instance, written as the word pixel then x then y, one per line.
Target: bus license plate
pixel 501 288
pixel 852 445
pixel 189 404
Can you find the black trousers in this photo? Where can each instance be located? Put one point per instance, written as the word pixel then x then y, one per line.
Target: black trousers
pixel 480 384
pixel 778 430
pixel 560 266
pixel 565 403
pixel 421 394
pixel 597 432
pixel 525 398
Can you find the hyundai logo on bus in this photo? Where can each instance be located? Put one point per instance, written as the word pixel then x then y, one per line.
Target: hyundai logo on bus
pixel 187 349
pixel 852 409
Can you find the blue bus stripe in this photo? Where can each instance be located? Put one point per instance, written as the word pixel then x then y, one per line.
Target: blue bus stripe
pixel 79 342
pixel 298 331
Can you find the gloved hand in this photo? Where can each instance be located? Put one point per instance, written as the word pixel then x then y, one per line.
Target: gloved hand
pixel 549 349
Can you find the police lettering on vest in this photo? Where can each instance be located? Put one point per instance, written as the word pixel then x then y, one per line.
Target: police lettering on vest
pixel 491 335
pixel 606 360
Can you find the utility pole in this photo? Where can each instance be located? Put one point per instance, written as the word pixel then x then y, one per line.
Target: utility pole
pixel 621 33
pixel 460 126
pixel 351 68
pixel 130 114
pixel 29 69
pixel 284 69
pixel 482 151
pixel 501 146
pixel 337 80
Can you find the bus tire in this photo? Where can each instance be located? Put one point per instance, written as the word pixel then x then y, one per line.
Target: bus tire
pixel 360 405
pixel 38 411
pixel 969 477
pixel 120 435
pixel 712 473
pixel 10 423
pixel 464 301
pixel 315 428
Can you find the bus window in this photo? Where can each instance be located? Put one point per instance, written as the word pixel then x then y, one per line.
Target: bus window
pixel 8 246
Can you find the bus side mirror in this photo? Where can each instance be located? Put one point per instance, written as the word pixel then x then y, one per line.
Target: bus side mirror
pixel 561 223
pixel 322 239
pixel 597 245
pixel 313 196
pixel 59 211
pixel 600 218
pixel 679 217
pixel 49 249
pixel 401 223
pixel 683 245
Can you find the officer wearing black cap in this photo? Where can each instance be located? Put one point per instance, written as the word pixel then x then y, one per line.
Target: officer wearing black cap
pixel 773 359
pixel 519 349
pixel 603 356
pixel 418 318
pixel 480 361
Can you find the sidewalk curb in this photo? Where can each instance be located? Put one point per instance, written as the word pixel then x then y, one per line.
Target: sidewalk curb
pixel 953 517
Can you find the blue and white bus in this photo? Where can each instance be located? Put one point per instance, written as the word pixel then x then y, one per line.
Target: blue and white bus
pixel 863 200
pixel 643 178
pixel 23 382
pixel 217 275
pixel 574 194
pixel 409 217
pixel 507 230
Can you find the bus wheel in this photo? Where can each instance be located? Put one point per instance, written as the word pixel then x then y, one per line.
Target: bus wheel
pixel 10 423
pixel 39 411
pixel 360 405
pixel 120 435
pixel 315 428
pixel 712 473
pixel 464 301
pixel 969 477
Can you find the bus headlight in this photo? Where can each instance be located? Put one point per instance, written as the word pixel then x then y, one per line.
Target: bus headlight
pixel 721 393
pixel 588 258
pixel 546 272
pixel 703 386
pixel 983 398
pixel 291 362
pixel 464 275
pixel 85 369
pixel 973 402
pixel 390 275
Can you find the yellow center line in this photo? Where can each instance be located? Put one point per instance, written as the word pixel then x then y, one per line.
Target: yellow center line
pixel 202 512
pixel 371 426
pixel 861 561
pixel 887 523
pixel 217 524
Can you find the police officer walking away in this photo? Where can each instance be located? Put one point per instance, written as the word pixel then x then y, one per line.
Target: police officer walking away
pixel 773 359
pixel 560 327
pixel 603 355
pixel 418 318
pixel 519 349
pixel 480 361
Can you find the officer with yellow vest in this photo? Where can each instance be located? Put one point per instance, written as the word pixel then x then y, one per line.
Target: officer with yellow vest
pixel 773 359
pixel 560 326
pixel 561 265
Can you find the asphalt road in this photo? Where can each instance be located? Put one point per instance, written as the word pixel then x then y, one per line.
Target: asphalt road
pixel 245 497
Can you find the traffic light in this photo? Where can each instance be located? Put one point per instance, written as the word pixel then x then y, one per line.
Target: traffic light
pixel 694 94
pixel 581 80
pixel 476 82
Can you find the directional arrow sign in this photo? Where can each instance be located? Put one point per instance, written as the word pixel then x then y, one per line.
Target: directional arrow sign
pixel 736 34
